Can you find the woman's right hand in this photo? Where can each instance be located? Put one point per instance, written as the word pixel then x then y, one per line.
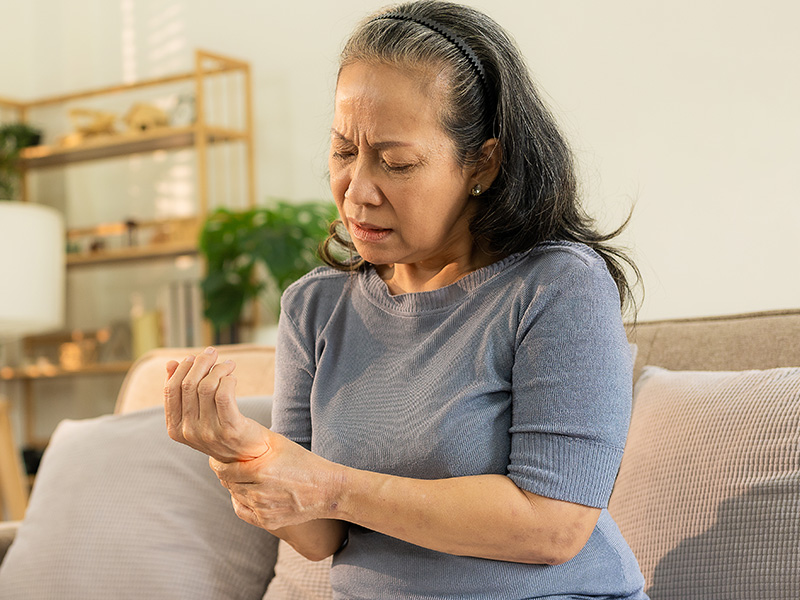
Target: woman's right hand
pixel 201 410
pixel 274 483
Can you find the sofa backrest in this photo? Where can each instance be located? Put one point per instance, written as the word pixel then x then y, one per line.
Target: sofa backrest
pixel 143 385
pixel 762 340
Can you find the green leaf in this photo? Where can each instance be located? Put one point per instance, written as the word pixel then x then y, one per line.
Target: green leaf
pixel 283 237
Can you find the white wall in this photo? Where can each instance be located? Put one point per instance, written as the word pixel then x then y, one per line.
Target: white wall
pixel 690 109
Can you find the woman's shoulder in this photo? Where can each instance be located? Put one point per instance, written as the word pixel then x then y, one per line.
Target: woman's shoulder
pixel 553 269
pixel 320 276
pixel 323 284
pixel 553 262
pixel 564 253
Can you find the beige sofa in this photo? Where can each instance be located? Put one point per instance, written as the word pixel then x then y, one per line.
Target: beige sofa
pixel 708 494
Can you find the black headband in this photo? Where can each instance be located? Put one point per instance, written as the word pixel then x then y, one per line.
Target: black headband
pixel 450 36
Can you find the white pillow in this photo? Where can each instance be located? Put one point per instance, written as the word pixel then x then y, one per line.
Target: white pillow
pixel 708 493
pixel 119 510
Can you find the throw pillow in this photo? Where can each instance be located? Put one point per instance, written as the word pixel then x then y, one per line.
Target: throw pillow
pixel 119 510
pixel 297 578
pixel 708 493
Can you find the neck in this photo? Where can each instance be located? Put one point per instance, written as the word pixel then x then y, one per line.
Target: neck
pixel 422 277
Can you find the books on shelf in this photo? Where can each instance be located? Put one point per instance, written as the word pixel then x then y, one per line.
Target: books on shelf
pixel 181 309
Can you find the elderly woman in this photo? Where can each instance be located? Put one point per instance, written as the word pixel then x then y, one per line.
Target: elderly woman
pixel 452 398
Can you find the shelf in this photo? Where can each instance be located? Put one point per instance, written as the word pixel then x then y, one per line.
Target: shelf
pixel 123 255
pixel 51 371
pixel 221 92
pixel 111 146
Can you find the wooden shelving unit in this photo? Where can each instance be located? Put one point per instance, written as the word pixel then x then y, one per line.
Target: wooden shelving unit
pixel 202 133
pixel 180 239
pixel 174 237
pixel 122 255
pixel 106 147
pixel 51 372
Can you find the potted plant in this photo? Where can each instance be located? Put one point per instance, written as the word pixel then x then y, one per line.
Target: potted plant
pixel 256 254
pixel 13 138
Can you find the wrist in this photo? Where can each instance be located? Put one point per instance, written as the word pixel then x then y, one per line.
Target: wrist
pixel 341 492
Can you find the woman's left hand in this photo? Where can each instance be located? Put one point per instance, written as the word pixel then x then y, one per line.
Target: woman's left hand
pixel 273 482
pixel 287 485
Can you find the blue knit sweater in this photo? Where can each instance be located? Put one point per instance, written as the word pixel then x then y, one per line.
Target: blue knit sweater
pixel 520 368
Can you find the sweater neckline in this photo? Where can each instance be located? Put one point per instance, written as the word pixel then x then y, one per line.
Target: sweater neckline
pixel 443 298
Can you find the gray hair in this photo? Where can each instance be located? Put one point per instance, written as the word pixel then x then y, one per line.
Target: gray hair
pixel 535 195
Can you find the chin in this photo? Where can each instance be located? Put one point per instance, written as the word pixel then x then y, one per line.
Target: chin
pixel 375 256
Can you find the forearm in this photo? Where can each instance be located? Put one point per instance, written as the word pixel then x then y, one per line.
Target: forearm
pixel 485 516
pixel 315 540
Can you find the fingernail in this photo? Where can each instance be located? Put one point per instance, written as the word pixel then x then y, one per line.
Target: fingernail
pixel 209 350
pixel 228 362
pixel 189 358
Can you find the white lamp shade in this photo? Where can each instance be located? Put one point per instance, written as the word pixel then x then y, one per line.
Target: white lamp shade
pixel 31 269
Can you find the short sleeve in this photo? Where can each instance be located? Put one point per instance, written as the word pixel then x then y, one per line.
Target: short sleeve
pixel 294 377
pixel 571 387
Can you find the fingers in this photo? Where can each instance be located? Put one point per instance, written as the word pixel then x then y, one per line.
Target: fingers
pixel 190 383
pixel 173 397
pixel 171 366
pixel 286 485
pixel 227 411
pixel 201 409
pixel 213 396
pixel 170 410
pixel 244 512
pixel 199 368
pixel 234 473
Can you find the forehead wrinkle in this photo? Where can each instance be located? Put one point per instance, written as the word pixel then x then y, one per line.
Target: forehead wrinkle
pixel 360 119
pixel 380 145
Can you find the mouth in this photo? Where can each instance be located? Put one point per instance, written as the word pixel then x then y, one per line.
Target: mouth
pixel 367 232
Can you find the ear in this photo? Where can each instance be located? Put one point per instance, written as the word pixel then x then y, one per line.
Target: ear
pixel 488 164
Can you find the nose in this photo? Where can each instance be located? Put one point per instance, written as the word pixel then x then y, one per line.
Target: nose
pixel 362 187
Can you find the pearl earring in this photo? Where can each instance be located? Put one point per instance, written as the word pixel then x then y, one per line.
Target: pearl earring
pixel 477 190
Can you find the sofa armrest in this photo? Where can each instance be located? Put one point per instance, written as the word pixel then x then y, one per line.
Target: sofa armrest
pixel 8 529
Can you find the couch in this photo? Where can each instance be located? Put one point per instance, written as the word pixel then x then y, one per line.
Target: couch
pixel 708 494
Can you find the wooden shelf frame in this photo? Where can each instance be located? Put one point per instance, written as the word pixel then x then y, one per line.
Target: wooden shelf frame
pixel 130 255
pixel 34 372
pixel 202 134
pixel 199 136
pixel 113 146
pixel 183 243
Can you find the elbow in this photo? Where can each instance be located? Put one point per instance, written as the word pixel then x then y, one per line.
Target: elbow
pixel 316 550
pixel 559 556
pixel 561 530
pixel 314 555
pixel 312 552
pixel 564 544
pixel 552 554
pixel 554 545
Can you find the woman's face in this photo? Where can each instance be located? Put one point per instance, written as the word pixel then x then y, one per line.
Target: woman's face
pixel 400 191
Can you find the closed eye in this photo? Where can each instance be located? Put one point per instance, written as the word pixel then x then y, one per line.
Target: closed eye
pixel 397 168
pixel 343 155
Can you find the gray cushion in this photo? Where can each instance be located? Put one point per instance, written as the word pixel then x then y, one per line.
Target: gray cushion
pixel 708 494
pixel 119 510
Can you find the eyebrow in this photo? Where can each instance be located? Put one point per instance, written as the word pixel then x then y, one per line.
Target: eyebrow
pixel 377 146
